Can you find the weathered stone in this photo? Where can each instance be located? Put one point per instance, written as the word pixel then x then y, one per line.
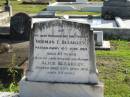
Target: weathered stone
pixel 5 47
pixel 115 8
pixel 67 53
pixel 8 94
pixel 45 89
pixel 98 36
pixel 20 26
pixel 4 18
pixel 17 53
pixel 61 61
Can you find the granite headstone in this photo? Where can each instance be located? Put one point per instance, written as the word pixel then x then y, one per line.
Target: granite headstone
pixel 61 61
pixel 116 8
pixel 20 26
pixel 62 51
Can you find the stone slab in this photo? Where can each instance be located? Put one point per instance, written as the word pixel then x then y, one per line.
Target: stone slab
pixel 62 51
pixel 8 94
pixel 120 22
pixel 67 6
pixel 19 50
pixel 127 23
pixel 4 18
pixel 98 36
pixel 105 46
pixel 5 29
pixel 116 11
pixel 35 1
pixel 42 89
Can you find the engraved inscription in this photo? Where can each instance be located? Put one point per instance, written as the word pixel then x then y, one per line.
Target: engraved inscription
pixel 61 53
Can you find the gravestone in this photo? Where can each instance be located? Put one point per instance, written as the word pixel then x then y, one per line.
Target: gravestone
pixel 8 7
pixel 98 37
pixel 20 26
pixel 116 8
pixel 61 61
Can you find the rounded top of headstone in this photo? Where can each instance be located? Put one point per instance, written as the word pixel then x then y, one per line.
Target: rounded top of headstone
pixel 20 24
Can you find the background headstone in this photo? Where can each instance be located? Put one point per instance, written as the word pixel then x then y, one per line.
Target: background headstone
pixel 116 8
pixel 20 26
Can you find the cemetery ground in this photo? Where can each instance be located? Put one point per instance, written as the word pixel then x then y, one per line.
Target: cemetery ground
pixel 27 8
pixel 113 66
pixel 33 9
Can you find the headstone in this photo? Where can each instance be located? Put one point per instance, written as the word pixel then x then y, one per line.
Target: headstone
pixel 115 8
pixel 8 7
pixel 66 54
pixel 20 26
pixel 98 37
pixel 61 62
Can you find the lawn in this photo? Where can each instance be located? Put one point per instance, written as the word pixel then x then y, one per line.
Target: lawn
pixel 27 8
pixel 33 9
pixel 60 13
pixel 114 69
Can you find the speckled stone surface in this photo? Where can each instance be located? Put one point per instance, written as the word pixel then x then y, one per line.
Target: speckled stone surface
pixel 44 89
pixel 9 94
pixel 72 60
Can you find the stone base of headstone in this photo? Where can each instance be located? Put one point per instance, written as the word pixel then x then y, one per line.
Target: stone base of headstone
pixel 8 94
pixel 105 46
pixel 44 89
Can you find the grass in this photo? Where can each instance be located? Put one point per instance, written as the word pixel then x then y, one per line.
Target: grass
pixel 9 88
pixel 32 9
pixel 59 13
pixel 114 69
pixel 27 8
